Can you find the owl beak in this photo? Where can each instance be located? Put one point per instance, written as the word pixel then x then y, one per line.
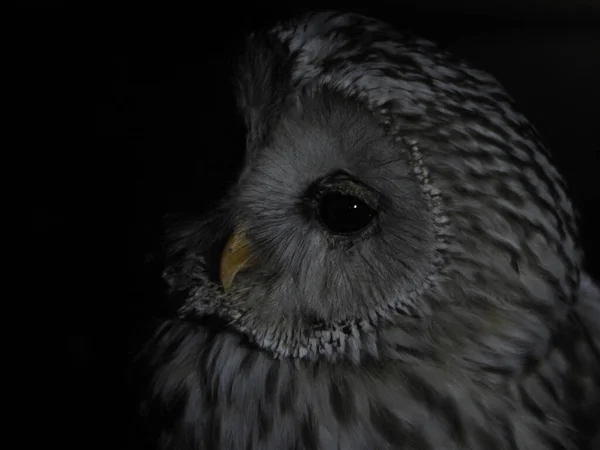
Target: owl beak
pixel 235 257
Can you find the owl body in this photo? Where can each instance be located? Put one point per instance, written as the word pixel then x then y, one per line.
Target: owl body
pixel 413 277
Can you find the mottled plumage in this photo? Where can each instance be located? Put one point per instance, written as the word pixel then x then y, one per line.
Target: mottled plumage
pixel 459 317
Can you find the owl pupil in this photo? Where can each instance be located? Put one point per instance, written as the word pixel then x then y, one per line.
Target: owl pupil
pixel 343 214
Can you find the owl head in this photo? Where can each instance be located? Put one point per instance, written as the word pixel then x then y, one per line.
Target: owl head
pixel 393 204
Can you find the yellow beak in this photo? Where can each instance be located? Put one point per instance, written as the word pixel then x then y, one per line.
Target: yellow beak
pixel 236 256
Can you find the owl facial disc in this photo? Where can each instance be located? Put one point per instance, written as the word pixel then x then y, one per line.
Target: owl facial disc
pixel 235 257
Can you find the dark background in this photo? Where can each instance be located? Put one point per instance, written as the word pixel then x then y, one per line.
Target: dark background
pixel 128 115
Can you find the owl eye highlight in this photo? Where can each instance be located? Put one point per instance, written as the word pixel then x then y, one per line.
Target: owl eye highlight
pixel 344 214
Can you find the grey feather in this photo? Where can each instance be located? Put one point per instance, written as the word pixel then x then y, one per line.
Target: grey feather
pixel 460 319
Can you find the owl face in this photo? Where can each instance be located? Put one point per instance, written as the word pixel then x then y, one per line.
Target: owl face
pixel 326 226
pixel 392 198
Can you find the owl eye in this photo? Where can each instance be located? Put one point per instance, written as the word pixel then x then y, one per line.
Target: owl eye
pixel 344 214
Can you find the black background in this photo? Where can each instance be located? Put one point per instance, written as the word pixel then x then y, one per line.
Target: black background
pixel 126 115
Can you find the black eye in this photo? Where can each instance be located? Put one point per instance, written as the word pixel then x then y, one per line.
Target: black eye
pixel 344 214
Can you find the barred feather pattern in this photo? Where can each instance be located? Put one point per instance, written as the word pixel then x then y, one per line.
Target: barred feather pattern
pixel 496 345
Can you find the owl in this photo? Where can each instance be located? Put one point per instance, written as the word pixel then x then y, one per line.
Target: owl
pixel 396 267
